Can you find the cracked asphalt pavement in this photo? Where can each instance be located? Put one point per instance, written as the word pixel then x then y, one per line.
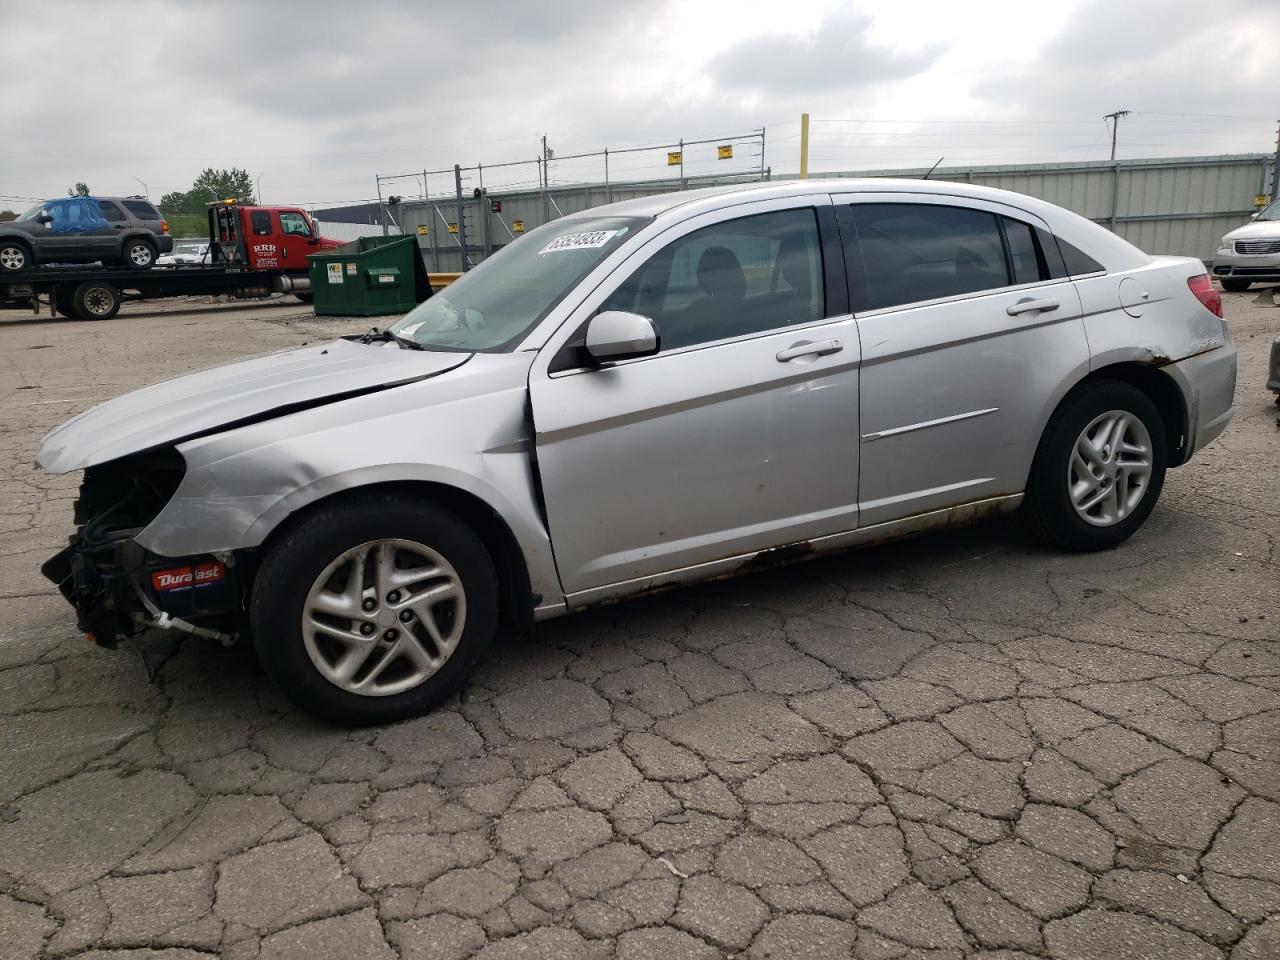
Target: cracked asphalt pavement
pixel 959 745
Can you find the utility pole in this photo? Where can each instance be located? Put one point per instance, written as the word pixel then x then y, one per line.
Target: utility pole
pixel 546 155
pixel 1115 167
pixel 1115 126
pixel 804 146
pixel 461 215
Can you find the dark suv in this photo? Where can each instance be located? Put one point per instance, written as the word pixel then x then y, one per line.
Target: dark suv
pixel 127 231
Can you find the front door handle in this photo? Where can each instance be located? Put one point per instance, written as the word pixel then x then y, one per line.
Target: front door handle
pixel 1026 306
pixel 808 349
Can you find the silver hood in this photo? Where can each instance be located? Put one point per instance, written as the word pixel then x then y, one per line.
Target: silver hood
pixel 232 393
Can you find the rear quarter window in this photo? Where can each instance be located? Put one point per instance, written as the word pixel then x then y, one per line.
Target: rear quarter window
pixel 141 209
pixel 1065 260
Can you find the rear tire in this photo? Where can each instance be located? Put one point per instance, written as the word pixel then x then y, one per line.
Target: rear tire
pixel 1089 488
pixel 15 256
pixel 95 300
pixel 307 627
pixel 1235 286
pixel 138 254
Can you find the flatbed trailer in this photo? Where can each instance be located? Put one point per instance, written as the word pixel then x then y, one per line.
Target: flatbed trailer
pixel 96 292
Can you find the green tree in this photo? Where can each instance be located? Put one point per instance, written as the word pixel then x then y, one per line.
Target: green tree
pixel 233 184
pixel 211 186
pixel 81 189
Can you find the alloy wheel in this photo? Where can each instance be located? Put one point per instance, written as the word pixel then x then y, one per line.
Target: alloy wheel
pixel 12 258
pixel 140 254
pixel 1110 468
pixel 384 617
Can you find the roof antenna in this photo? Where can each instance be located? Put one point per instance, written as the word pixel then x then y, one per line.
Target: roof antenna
pixel 933 168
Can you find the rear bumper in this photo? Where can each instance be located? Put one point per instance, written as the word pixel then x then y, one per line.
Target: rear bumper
pixel 1208 385
pixel 164 243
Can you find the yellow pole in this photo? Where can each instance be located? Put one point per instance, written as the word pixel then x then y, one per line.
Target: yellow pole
pixel 804 146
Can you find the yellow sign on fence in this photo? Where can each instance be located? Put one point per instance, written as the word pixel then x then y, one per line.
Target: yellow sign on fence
pixel 724 151
pixel 1260 200
pixel 422 229
pixel 453 228
pixel 517 226
pixel 674 158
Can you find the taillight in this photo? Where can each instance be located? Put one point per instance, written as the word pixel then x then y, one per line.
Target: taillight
pixel 1202 287
pixel 164 226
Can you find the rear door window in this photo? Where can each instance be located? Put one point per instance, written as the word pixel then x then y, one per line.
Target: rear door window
pixel 1024 258
pixel 912 252
pixel 141 209
pixel 110 211
pixel 260 222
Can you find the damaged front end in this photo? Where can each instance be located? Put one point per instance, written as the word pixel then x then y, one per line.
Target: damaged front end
pixel 119 589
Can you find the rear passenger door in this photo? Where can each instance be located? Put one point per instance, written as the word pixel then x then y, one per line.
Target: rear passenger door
pixel 105 241
pixel 965 341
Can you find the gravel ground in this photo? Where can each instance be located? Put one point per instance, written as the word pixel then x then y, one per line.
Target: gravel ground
pixel 961 745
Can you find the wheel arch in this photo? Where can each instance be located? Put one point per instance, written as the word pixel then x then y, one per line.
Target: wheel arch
pixel 1163 392
pixel 518 599
pixel 22 242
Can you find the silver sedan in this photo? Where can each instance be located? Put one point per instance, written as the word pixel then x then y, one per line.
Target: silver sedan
pixel 643 395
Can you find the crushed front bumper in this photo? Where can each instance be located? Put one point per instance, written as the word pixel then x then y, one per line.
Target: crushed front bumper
pixel 118 590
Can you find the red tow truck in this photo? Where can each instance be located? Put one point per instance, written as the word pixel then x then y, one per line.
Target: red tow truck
pixel 253 251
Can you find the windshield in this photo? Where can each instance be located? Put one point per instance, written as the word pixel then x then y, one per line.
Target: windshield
pixel 33 212
pixel 1270 212
pixel 494 305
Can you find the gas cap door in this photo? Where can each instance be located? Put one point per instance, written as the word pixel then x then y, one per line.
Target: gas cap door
pixel 1133 296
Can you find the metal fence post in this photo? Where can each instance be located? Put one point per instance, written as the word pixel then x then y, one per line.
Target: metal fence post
pixel 608 190
pixel 682 182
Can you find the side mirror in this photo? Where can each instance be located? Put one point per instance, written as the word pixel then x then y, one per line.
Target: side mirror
pixel 313 240
pixel 44 218
pixel 618 335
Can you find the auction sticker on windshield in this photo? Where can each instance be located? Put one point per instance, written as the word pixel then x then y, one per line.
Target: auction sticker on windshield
pixel 580 241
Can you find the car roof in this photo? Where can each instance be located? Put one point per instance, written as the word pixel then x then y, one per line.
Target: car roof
pixel 1099 242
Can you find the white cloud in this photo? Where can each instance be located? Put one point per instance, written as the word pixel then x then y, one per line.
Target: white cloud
pixel 319 96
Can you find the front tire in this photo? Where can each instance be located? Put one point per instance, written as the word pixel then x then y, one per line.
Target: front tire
pixel 15 257
pixel 374 608
pixel 1234 286
pixel 1099 468
pixel 138 254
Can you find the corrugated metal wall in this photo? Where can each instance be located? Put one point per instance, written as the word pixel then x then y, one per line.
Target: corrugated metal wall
pixel 1170 206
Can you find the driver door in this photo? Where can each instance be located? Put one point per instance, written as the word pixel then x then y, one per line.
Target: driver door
pixel 295 240
pixel 739 435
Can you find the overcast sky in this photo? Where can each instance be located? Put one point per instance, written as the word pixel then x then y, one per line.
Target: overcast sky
pixel 318 96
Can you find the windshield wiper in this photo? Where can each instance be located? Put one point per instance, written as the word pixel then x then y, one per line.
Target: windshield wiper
pixel 380 335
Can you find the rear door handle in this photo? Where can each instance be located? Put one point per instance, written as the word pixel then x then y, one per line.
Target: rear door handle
pixel 1026 306
pixel 808 349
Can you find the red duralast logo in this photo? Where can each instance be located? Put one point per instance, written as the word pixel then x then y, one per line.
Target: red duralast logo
pixel 185 578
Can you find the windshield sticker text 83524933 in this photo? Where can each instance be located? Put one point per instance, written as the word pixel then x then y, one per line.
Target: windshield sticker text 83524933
pixel 580 241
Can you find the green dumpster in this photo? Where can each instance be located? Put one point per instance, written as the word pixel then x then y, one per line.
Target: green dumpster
pixel 369 277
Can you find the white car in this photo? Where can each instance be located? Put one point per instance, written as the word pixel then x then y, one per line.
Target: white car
pixel 185 252
pixel 1250 253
